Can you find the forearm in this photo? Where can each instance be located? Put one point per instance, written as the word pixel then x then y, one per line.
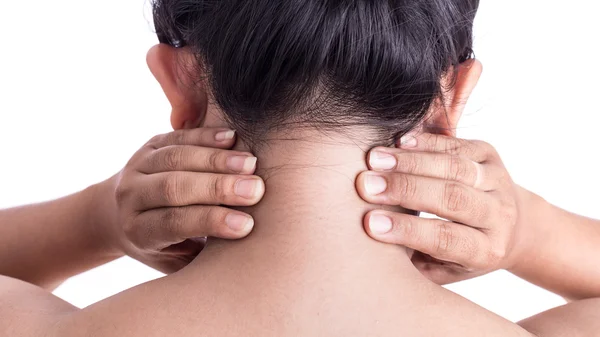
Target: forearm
pixel 44 244
pixel 562 252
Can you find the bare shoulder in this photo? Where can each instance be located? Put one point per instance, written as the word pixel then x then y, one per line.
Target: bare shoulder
pixel 581 319
pixel 27 310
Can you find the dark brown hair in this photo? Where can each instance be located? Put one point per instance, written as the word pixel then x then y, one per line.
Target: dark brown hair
pixel 330 64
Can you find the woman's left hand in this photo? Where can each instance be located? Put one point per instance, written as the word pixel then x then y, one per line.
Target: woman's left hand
pixel 459 180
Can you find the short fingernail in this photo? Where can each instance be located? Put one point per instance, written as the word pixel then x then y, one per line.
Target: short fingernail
pixel 407 142
pixel 242 164
pixel 247 188
pixel 238 222
pixel 382 161
pixel 224 135
pixel 375 185
pixel 380 224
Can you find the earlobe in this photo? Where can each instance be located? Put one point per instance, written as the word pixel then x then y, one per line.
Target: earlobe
pixel 444 119
pixel 188 102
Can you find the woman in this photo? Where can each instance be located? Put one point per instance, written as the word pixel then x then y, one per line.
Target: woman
pixel 305 77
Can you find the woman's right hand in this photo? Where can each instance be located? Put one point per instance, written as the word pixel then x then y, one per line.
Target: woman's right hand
pixel 168 197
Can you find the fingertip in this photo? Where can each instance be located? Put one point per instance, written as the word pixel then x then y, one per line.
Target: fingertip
pixel 250 165
pixel 241 163
pixel 251 190
pixel 224 135
pixel 224 138
pixel 408 141
pixel 239 224
pixel 372 187
pixel 375 185
pixel 360 185
pixel 382 159
pixel 378 223
pixel 260 190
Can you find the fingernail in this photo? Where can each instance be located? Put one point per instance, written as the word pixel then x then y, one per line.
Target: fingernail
pixel 408 142
pixel 238 222
pixel 375 185
pixel 242 164
pixel 224 135
pixel 380 224
pixel 247 188
pixel 382 161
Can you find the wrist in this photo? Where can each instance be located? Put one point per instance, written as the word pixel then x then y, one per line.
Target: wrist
pixel 535 217
pixel 102 216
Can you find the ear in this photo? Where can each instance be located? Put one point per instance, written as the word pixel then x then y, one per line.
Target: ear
pixel 444 119
pixel 172 68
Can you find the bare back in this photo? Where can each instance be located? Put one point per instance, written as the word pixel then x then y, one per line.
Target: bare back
pixel 307 269
pixel 248 289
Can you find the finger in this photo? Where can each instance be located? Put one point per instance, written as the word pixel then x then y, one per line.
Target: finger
pixel 176 189
pixel 209 137
pixel 435 165
pixel 159 228
pixel 198 159
pixel 164 263
pixel 440 272
pixel 189 248
pixel 446 199
pixel 474 150
pixel 441 239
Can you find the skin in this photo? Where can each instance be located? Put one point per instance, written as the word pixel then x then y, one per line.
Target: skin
pixel 296 270
pixel 136 212
pixel 494 223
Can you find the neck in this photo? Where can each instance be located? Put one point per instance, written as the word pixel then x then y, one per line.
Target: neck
pixel 311 210
pixel 308 250
pixel 310 190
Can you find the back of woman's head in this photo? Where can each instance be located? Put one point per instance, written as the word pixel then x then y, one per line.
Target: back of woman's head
pixel 330 64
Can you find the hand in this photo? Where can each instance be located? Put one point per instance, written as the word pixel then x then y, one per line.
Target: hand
pixel 167 199
pixel 459 180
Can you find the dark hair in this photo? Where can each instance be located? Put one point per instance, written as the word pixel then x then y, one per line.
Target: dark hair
pixel 324 63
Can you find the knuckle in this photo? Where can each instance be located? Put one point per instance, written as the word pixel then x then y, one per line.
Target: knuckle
pixel 122 194
pixel 459 169
pixel 129 226
pixel 455 197
pixel 152 160
pixel 173 158
pixel 407 163
pixel 444 238
pixel 213 160
pixel 484 146
pixel 173 219
pixel 432 141
pixel 452 145
pixel 404 186
pixel 503 177
pixel 214 219
pixel 169 188
pixel 171 216
pixel 486 149
pixel 496 255
pixel 217 189
pixel 178 137
pixel 155 141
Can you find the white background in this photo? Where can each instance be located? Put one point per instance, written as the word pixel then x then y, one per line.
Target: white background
pixel 77 100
